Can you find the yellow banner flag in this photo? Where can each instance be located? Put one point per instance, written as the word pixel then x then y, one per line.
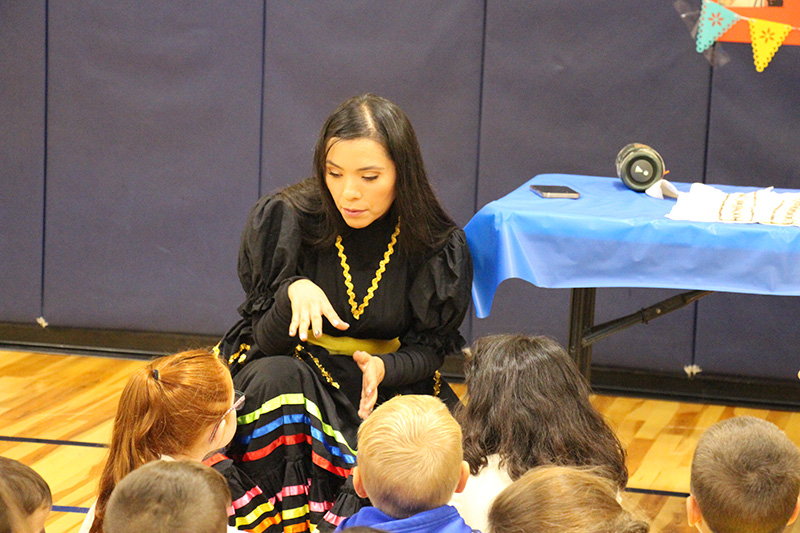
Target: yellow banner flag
pixel 766 38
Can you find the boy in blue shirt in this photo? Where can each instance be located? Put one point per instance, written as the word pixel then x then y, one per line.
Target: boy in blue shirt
pixel 410 462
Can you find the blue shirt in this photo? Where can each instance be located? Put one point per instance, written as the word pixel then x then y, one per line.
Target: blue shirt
pixel 444 519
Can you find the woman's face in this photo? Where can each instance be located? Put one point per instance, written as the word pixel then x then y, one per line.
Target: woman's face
pixel 361 178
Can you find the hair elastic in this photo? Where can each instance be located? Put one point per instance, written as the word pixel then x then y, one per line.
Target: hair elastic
pixel 155 374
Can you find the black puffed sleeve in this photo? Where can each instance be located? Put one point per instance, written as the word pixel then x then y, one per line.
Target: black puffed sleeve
pixel 268 264
pixel 439 299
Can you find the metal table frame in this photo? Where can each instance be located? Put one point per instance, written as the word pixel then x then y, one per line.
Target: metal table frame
pixel 583 332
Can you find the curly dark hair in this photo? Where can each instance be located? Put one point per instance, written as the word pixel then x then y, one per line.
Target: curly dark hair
pixel 527 402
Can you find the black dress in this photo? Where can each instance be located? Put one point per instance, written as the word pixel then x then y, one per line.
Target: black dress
pixel 297 436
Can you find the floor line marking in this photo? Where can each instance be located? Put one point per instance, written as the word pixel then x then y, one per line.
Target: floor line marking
pixel 53 441
pixel 657 492
pixel 69 509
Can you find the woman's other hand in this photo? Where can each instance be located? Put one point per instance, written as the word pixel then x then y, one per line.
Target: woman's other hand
pixel 374 370
pixel 309 305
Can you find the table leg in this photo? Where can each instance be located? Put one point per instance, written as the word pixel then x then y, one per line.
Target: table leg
pixel 580 322
pixel 583 332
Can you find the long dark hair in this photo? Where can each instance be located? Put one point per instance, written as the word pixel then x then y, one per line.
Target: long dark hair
pixel 527 402
pixel 425 225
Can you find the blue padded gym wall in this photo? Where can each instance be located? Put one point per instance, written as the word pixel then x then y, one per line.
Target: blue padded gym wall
pixel 22 86
pixel 153 154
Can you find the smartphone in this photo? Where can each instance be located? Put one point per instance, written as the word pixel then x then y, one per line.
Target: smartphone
pixel 555 191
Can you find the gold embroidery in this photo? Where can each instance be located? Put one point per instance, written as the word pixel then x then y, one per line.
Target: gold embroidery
pixel 722 206
pixel 358 310
pixel 789 217
pixel 241 354
pixel 299 349
pixel 437 383
pixel 739 200
pixel 775 212
pixel 737 209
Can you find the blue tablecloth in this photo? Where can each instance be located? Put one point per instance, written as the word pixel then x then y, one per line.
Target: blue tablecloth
pixel 614 237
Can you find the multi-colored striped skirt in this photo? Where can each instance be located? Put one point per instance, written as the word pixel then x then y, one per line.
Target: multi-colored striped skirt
pixel 296 441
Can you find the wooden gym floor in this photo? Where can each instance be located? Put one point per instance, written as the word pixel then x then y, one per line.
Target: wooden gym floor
pixel 56 413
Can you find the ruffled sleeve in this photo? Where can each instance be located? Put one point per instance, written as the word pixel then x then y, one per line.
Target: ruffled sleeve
pixel 439 299
pixel 268 264
pixel 268 254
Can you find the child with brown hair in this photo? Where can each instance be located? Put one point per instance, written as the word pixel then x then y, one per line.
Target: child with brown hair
pixel 409 465
pixel 527 406
pixel 745 478
pixel 169 496
pixel 562 499
pixel 26 497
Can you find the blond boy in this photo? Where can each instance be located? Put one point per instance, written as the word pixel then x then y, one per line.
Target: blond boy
pixel 410 463
pixel 745 478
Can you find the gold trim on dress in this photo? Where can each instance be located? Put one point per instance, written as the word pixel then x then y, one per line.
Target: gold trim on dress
pixel 241 354
pixel 300 349
pixel 358 310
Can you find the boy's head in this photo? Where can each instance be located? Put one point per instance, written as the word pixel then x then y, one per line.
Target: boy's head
pixel 745 478
pixel 167 496
pixel 28 493
pixel 409 456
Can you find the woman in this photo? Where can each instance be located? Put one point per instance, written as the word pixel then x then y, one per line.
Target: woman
pixel 357 281
pixel 179 407
pixel 558 499
pixel 527 405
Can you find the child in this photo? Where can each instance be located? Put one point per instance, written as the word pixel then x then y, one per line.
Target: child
pixel 745 478
pixel 409 464
pixel 168 496
pixel 181 406
pixel 26 494
pixel 555 499
pixel 527 406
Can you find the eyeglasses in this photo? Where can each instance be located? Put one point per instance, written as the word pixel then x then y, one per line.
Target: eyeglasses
pixel 238 402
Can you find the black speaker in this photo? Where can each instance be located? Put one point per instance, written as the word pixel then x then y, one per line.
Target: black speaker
pixel 639 166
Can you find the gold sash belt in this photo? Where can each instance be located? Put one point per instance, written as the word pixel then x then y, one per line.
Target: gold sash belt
pixel 348 345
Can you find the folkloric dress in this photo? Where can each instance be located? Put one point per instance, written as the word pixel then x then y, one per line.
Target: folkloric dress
pixel 297 430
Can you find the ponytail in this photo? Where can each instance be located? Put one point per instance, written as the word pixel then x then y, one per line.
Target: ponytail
pixel 165 409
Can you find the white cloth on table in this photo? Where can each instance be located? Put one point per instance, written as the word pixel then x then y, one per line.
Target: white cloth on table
pixel 704 203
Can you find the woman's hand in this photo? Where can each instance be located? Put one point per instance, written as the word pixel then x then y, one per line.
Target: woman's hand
pixel 374 370
pixel 309 305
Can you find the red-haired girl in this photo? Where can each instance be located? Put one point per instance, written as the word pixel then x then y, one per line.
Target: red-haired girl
pixel 180 407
